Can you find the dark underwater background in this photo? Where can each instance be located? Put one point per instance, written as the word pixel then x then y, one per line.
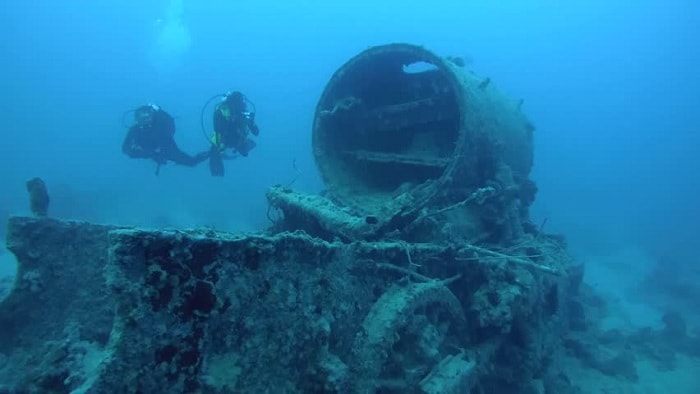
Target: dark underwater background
pixel 613 89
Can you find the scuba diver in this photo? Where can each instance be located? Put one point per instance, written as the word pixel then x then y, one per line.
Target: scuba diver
pixel 234 121
pixel 153 137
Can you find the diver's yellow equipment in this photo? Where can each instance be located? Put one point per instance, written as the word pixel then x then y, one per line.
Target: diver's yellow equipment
pixel 225 111
pixel 218 142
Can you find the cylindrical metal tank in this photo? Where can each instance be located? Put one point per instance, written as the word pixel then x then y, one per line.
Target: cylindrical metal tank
pixel 400 128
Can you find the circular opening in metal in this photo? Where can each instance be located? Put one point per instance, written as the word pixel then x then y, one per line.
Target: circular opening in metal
pixel 387 122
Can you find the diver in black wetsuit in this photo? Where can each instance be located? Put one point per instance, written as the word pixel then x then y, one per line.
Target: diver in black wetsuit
pixel 153 137
pixel 234 121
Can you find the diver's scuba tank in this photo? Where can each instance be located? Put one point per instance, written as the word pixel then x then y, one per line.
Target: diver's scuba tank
pixel 209 138
pixel 248 111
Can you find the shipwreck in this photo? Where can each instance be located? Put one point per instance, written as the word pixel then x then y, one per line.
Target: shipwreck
pixel 417 270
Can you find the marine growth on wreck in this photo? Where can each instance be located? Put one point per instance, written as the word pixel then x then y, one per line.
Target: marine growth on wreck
pixel 418 271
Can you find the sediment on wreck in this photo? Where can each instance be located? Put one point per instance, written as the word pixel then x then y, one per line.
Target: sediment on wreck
pixel 200 310
pixel 58 296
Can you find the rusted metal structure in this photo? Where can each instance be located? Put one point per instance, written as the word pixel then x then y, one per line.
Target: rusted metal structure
pixel 415 272
pixel 401 134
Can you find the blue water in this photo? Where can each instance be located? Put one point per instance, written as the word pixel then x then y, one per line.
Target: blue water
pixel 613 89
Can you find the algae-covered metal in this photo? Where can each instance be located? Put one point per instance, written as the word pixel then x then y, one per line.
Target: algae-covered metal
pixel 399 128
